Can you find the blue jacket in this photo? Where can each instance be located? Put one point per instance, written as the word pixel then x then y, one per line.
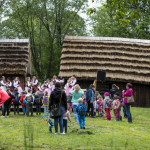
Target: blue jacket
pixel 90 95
pixel 77 108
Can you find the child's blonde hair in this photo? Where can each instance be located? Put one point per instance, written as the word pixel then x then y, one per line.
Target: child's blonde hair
pixel 46 93
pixel 54 76
pixel 80 100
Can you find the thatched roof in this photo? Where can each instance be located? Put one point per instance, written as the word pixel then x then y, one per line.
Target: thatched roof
pixel 14 56
pixel 122 59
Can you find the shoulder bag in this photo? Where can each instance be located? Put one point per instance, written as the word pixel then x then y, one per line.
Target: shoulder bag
pixel 56 109
pixel 130 99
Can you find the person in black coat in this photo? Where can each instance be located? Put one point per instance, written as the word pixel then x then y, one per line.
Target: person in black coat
pixel 7 103
pixel 37 103
pixel 55 100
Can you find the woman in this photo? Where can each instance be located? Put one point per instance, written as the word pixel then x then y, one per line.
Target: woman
pixel 55 100
pixel 128 93
pixel 76 94
pixel 3 83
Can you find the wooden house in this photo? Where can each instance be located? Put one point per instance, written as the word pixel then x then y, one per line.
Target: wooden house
pixel 124 60
pixel 15 59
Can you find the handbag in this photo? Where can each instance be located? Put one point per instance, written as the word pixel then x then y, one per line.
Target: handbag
pixel 69 98
pixel 56 109
pixel 130 99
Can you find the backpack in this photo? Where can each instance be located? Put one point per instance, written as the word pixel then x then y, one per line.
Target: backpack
pixel 24 101
pixel 109 103
pixel 29 99
pixel 16 99
pixel 82 110
pixel 37 101
pixel 45 100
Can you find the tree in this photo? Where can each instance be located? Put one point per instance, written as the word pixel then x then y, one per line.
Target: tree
pixel 45 22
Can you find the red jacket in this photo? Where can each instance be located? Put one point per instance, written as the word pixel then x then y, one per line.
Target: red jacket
pixel 21 100
pixel 3 96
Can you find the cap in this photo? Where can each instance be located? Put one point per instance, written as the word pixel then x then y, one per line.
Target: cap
pixel 106 94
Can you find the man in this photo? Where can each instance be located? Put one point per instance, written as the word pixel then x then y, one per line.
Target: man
pixel 114 90
pixel 90 99
pixel 34 84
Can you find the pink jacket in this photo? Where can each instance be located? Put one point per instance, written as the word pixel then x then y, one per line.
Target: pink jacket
pixel 100 104
pixel 116 104
pixel 128 93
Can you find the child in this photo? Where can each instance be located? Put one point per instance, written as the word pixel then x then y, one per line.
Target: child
pixel 16 101
pixel 116 107
pixel 24 106
pixel 100 105
pixel 106 107
pixel 81 110
pixel 45 102
pixel 38 103
pixel 29 99
pixel 65 118
pixel 121 105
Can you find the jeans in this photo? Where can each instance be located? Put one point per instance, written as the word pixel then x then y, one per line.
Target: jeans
pixel 29 108
pixel 128 113
pixel 75 113
pixel 6 107
pixel 65 125
pixel 90 105
pixel 60 119
pixel 38 109
pixel 124 111
pixel 24 109
pixel 108 113
pixel 81 121
pixel 45 109
pixel 16 105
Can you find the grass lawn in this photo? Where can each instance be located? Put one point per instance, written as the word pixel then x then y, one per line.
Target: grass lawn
pixel 99 133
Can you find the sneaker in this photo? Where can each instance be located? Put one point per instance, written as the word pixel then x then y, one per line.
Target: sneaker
pixel 7 116
pixel 93 117
pixel 2 116
pixel 62 133
pixel 56 133
pixel 83 127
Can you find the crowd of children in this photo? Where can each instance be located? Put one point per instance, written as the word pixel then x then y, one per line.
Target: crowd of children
pixel 28 100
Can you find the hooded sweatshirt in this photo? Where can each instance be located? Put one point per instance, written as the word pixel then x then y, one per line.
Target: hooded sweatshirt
pixel 55 98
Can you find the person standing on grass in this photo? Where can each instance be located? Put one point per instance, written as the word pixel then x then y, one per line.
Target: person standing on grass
pixel 76 93
pixel 90 99
pixel 45 101
pixel 7 102
pixel 22 100
pixel 55 100
pixel 81 110
pixel 128 93
pixel 114 90
pixel 29 99
pixel 38 103
pixel 16 101
pixel 106 107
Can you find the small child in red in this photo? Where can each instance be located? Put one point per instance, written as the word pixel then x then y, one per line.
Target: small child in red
pixel 24 106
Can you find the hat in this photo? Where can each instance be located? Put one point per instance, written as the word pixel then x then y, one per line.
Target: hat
pixel 106 94
pixel 129 85
pixel 9 78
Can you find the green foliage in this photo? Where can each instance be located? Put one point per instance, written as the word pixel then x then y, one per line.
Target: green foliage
pixel 45 23
pixel 98 135
pixel 106 23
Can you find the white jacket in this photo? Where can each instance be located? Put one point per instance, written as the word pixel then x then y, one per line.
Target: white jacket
pixel 67 116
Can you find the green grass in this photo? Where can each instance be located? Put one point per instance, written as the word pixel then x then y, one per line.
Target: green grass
pixel 99 133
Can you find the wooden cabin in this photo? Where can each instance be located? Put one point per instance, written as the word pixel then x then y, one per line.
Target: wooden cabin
pixel 15 59
pixel 124 60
